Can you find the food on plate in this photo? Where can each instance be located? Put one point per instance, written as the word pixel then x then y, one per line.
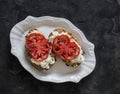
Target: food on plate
pixel 66 47
pixel 39 50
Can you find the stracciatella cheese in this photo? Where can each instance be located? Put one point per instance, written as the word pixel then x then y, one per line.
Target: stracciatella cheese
pixel 45 63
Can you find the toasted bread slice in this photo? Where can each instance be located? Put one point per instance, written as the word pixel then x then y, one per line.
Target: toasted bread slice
pixel 60 31
pixel 45 64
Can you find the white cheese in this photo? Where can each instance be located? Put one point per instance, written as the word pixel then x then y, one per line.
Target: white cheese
pixel 46 63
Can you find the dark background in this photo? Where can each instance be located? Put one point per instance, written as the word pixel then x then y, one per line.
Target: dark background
pixel 100 22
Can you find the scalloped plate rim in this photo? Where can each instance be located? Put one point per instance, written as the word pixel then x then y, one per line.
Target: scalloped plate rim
pixel 53 80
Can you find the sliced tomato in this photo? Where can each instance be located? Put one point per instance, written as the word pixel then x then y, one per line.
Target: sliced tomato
pixel 61 40
pixel 38 46
pixel 64 48
pixel 57 50
pixel 64 53
pixel 73 51
pixel 58 44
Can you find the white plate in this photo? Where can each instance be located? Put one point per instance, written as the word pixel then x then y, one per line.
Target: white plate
pixel 59 72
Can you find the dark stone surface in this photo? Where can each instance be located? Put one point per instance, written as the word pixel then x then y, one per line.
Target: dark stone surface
pixel 100 22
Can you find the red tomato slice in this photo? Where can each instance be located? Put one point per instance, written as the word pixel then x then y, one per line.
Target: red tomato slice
pixel 38 46
pixel 72 52
pixel 65 53
pixel 64 48
pixel 61 40
pixel 57 50
pixel 58 44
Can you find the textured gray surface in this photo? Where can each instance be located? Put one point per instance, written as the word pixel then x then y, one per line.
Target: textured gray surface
pixel 100 22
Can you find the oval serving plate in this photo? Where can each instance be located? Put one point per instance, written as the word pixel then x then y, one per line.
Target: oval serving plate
pixel 59 72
